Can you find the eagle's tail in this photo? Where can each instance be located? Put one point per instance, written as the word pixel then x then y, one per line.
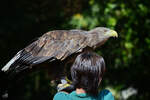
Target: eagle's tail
pixel 12 61
pixel 23 60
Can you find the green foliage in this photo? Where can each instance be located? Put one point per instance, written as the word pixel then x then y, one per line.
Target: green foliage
pixel 127 57
pixel 127 53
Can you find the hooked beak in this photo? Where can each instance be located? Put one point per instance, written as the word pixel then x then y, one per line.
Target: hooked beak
pixel 112 33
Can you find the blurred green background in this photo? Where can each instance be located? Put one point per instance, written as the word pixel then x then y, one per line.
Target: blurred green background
pixel 127 57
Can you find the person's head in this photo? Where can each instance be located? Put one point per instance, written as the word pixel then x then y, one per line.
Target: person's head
pixel 87 72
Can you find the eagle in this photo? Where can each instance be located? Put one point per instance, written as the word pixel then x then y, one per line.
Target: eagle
pixel 55 48
pixel 55 51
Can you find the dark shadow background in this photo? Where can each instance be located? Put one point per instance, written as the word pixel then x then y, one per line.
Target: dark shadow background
pixel 127 58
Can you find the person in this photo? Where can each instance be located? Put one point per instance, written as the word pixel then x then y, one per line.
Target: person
pixel 86 72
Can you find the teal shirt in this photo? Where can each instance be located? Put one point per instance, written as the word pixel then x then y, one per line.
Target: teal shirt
pixel 103 95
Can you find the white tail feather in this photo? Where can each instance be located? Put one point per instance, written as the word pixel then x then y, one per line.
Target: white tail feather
pixel 7 66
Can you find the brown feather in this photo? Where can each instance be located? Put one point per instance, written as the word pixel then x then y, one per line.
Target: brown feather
pixel 55 48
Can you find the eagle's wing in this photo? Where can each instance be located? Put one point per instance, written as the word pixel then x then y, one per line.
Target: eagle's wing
pixel 53 45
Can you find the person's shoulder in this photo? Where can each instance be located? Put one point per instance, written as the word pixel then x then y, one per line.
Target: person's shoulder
pixel 105 95
pixel 72 93
pixel 61 95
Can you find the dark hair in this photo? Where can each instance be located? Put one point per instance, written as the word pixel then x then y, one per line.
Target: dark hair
pixel 87 72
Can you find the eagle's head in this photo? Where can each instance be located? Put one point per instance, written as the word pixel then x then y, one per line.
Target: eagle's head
pixel 99 36
pixel 104 32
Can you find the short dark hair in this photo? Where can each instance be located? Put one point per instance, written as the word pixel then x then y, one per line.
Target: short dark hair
pixel 87 71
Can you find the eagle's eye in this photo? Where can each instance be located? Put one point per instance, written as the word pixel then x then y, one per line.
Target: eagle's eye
pixel 105 30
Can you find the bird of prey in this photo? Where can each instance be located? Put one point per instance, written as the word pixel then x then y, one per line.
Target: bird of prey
pixel 55 47
pixel 52 51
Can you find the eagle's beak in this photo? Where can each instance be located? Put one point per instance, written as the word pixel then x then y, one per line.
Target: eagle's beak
pixel 112 33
